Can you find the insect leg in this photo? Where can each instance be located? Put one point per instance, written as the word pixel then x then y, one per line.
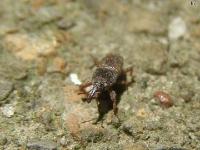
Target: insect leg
pixel 129 70
pixel 113 98
pixel 125 72
pixel 83 86
pixel 96 62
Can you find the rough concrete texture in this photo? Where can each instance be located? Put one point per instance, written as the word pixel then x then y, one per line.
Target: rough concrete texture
pixel 42 42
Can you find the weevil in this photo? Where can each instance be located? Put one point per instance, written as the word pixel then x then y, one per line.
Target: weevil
pixel 108 73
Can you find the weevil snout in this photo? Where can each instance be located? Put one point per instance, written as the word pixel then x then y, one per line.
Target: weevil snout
pixel 91 94
pixel 94 91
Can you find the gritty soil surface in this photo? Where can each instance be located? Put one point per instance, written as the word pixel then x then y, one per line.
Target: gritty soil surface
pixel 44 42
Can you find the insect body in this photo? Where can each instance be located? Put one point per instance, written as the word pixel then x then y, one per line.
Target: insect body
pixel 105 77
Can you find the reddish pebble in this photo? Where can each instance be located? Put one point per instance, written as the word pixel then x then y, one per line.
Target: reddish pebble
pixel 164 99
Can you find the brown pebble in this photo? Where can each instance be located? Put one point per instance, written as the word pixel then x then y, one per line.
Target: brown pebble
pixel 36 4
pixel 59 64
pixel 141 113
pixel 71 93
pixel 72 123
pixel 164 99
pixel 41 66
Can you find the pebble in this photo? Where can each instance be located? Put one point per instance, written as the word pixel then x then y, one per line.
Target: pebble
pixel 28 47
pixel 14 69
pixel 63 141
pixel 38 144
pixel 132 129
pixel 59 65
pixel 47 119
pixel 154 57
pixel 134 146
pixel 147 22
pixel 72 123
pixel 178 54
pixel 164 99
pixel 7 28
pixel 187 94
pixel 71 93
pixel 41 66
pixel 142 113
pixel 8 110
pixel 74 78
pixel 177 28
pixel 92 134
pixel 3 140
pixel 65 24
pixel 171 148
pixel 5 88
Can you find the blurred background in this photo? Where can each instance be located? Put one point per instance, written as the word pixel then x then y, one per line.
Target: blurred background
pixel 47 49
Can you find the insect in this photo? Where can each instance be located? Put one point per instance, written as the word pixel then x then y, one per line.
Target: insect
pixel 108 74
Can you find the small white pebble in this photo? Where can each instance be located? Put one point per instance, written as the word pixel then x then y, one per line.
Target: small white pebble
pixel 63 141
pixel 177 28
pixel 127 107
pixel 8 110
pixel 74 78
pixel 27 88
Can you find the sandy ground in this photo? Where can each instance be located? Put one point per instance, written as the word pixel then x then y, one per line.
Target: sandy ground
pixel 44 44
